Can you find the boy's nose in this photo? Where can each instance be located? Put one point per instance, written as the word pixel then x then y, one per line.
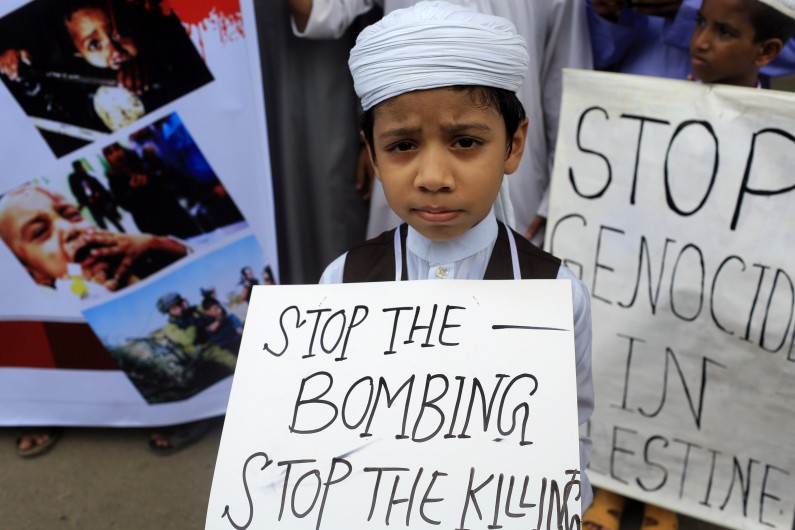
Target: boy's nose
pixel 701 40
pixel 434 173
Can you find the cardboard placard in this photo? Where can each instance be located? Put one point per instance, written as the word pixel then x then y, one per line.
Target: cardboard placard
pixel 673 202
pixel 410 404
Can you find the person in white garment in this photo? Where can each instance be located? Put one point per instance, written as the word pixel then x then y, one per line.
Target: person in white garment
pixel 443 125
pixel 556 32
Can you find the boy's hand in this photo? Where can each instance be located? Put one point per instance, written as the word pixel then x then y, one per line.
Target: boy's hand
pixel 10 61
pixel 365 174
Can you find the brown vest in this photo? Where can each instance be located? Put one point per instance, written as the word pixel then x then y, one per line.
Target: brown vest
pixel 374 260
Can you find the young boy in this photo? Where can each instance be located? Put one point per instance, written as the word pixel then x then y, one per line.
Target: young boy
pixel 443 125
pixel 733 39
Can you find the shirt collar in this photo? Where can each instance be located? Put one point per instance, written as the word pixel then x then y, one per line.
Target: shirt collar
pixel 478 238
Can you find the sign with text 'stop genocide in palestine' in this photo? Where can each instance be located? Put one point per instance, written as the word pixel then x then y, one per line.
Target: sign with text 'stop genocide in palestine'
pixel 674 202
pixel 418 404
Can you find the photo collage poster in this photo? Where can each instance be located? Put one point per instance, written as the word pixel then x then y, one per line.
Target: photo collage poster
pixel 136 209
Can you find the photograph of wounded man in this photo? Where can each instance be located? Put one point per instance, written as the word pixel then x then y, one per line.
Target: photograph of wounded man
pixel 81 69
pixel 60 248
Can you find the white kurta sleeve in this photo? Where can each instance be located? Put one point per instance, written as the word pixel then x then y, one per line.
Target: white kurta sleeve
pixel 568 45
pixel 585 391
pixel 330 18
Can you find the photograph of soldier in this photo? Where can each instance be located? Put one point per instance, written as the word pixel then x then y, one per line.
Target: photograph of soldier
pixel 173 336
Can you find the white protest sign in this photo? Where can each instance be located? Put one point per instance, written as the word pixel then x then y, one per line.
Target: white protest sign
pixel 673 201
pixel 411 404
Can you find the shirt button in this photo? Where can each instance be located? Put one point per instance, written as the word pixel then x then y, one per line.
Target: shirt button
pixel 441 273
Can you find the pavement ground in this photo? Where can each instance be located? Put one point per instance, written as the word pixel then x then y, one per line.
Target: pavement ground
pixel 107 479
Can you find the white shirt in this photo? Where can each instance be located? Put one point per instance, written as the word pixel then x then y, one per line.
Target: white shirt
pixel 466 258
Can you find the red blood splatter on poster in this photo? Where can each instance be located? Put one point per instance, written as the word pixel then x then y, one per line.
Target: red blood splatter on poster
pixel 205 17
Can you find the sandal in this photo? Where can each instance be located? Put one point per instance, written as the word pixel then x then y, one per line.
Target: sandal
pixel 42 439
pixel 656 518
pixel 606 510
pixel 178 437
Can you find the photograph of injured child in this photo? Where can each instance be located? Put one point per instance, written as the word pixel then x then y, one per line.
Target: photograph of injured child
pixel 81 69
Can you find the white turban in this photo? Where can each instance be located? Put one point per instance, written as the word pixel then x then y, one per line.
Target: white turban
pixel 786 7
pixel 436 44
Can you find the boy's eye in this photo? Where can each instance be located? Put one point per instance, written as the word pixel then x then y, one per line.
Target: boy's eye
pixel 466 143
pixel 402 146
pixel 93 45
pixel 700 22
pixel 726 31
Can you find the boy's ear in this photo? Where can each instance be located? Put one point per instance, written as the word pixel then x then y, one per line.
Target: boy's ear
pixel 768 50
pixel 516 148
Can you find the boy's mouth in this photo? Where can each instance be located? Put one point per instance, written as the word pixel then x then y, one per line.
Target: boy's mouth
pixel 697 60
pixel 436 215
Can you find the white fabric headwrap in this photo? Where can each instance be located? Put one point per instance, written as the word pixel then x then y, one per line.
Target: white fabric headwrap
pixel 432 45
pixel 786 7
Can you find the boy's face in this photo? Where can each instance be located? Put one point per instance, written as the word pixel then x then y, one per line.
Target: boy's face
pixel 441 159
pixel 43 230
pixel 722 49
pixel 97 41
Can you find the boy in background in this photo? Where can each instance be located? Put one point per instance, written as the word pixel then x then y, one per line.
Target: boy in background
pixel 652 37
pixel 734 39
pixel 442 126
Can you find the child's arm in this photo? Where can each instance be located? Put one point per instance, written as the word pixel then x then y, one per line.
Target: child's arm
pixel 585 389
pixel 611 38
